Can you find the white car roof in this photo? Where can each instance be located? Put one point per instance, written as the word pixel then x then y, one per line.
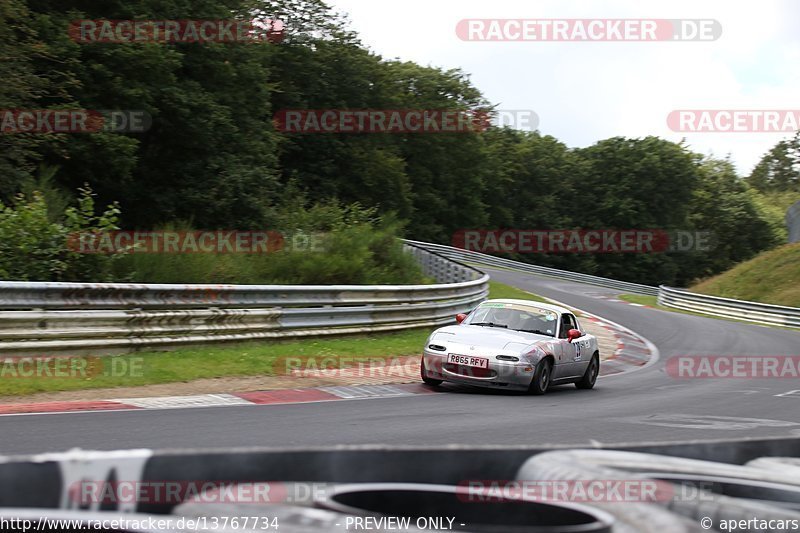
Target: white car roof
pixel 531 303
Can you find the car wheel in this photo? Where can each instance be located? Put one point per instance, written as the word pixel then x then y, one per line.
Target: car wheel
pixel 541 378
pixel 590 377
pixel 425 379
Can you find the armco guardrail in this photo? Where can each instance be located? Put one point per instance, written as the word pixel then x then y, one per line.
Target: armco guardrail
pixel 492 261
pixel 776 315
pixel 793 222
pixel 668 297
pixel 111 318
pixel 79 317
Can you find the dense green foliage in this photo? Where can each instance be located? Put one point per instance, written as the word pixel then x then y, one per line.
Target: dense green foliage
pixel 779 169
pixel 34 248
pixel 213 158
pixel 327 244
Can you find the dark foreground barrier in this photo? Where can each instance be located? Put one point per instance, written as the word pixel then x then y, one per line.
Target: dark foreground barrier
pixel 313 490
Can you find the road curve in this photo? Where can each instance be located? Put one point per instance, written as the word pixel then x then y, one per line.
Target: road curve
pixel 641 406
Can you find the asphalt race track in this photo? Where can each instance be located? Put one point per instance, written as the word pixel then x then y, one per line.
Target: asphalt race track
pixel 642 406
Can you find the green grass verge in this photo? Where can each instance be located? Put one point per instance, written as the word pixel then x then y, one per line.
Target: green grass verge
pixel 500 290
pixel 228 360
pixel 652 301
pixel 215 361
pixel 641 299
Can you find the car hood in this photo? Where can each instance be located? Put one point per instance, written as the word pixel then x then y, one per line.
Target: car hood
pixel 488 337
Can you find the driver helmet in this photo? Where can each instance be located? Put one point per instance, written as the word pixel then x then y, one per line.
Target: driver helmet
pixel 503 316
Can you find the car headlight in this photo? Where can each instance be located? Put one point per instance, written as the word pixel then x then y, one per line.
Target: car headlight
pixel 508 358
pixel 437 347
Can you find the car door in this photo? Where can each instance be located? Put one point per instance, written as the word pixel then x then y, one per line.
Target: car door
pixel 583 351
pixel 572 356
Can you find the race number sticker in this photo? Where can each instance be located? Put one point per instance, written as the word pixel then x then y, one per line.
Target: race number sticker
pixel 577 351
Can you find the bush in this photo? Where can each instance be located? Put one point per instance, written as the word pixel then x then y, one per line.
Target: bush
pixel 350 245
pixel 35 248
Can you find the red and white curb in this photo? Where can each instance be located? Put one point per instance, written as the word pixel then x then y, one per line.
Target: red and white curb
pixel 273 397
pixel 633 351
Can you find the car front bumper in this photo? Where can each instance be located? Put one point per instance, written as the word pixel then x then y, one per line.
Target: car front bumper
pixel 499 374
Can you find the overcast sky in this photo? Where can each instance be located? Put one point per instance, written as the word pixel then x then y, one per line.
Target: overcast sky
pixel 584 92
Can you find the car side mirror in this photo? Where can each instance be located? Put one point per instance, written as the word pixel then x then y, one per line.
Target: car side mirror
pixel 460 318
pixel 573 334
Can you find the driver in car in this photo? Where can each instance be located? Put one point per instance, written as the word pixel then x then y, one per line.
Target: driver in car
pixel 505 317
pixel 543 323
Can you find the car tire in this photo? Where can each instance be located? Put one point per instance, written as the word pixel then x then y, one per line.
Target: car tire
pixel 541 377
pixel 590 376
pixel 425 379
pixel 587 465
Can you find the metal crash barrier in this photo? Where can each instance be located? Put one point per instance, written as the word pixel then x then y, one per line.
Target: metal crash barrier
pixel 79 317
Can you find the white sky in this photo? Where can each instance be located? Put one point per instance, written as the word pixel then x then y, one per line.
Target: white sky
pixel 585 92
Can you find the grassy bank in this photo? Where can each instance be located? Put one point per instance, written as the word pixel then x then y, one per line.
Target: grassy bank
pixel 772 277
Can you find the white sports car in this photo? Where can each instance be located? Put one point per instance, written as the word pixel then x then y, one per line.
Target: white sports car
pixel 513 345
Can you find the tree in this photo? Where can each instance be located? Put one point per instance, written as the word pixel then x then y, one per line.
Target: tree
pixel 642 184
pixel 23 87
pixel 779 169
pixel 209 156
pixel 722 205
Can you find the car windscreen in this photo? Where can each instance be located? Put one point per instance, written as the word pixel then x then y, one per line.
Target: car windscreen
pixel 515 317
